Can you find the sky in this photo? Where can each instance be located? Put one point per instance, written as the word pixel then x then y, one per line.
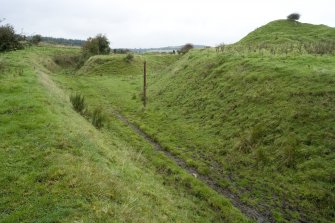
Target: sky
pixel 157 23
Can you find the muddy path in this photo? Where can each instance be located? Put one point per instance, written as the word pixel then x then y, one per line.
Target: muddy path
pixel 250 212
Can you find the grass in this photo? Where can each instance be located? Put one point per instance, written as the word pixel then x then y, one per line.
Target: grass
pixel 56 167
pixel 286 31
pixel 78 103
pixel 260 124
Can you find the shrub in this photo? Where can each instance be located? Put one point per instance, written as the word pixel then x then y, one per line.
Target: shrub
pixel 8 39
pixel 78 103
pixel 187 47
pixel 129 58
pixel 220 47
pixel 97 118
pixel 293 16
pixel 36 39
pixel 96 46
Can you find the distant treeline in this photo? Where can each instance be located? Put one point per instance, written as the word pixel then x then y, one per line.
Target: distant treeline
pixel 164 49
pixel 63 41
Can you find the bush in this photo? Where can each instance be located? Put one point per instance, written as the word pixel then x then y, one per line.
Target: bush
pixel 97 118
pixel 36 39
pixel 96 46
pixel 78 103
pixel 187 47
pixel 129 58
pixel 8 39
pixel 293 16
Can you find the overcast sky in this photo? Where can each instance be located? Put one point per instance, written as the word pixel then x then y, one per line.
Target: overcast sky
pixel 156 23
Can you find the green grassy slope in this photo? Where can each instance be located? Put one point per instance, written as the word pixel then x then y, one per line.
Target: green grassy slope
pixel 260 125
pixel 56 167
pixel 117 64
pixel 266 123
pixel 286 31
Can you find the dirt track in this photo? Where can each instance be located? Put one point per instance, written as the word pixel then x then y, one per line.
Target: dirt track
pixel 247 210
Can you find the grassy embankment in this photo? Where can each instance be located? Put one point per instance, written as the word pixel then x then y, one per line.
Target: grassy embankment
pixel 259 122
pixel 56 167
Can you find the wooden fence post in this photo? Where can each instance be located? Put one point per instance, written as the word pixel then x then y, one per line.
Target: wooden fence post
pixel 145 84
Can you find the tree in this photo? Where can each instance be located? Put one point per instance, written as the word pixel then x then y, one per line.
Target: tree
pixel 293 16
pixel 36 39
pixel 187 47
pixel 96 46
pixel 9 40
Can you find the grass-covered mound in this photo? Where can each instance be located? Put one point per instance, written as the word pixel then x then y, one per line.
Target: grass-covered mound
pixel 262 126
pixel 287 36
pixel 288 31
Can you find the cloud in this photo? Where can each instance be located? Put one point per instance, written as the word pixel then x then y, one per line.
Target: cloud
pixel 153 23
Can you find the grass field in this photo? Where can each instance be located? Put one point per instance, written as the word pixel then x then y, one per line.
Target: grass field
pixel 56 167
pixel 260 123
pixel 256 120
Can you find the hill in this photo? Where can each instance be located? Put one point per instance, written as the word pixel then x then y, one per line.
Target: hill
pixel 253 120
pixel 260 124
pixel 286 31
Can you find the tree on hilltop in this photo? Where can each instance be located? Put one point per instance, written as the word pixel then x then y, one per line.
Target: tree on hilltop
pixel 96 46
pixel 293 16
pixel 187 47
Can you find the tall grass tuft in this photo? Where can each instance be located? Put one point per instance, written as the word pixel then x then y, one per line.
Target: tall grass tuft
pixel 289 154
pixel 98 118
pixel 129 58
pixel 261 157
pixel 248 141
pixel 78 103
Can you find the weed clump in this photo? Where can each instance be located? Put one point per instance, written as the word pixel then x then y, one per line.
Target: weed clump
pixel 289 156
pixel 78 103
pixel 289 153
pixel 129 58
pixel 247 142
pixel 261 157
pixel 97 118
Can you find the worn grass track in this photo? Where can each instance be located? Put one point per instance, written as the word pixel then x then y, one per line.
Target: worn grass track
pixel 247 210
